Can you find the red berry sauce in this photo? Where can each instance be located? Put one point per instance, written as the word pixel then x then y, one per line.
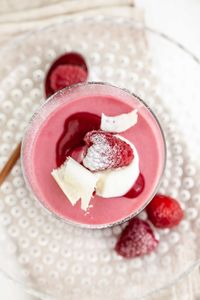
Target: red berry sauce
pixel 75 128
pixel 137 188
pixel 70 58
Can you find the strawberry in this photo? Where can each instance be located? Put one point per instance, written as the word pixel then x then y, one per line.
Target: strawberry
pixel 136 239
pixel 106 151
pixel 66 75
pixel 164 211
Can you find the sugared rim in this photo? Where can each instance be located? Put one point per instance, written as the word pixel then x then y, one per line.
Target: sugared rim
pixel 62 92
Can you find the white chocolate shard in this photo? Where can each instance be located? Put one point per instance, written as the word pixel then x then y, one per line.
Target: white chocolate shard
pixel 119 123
pixel 76 182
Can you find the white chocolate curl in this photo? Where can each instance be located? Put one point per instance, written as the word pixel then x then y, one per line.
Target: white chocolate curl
pixel 119 123
pixel 76 182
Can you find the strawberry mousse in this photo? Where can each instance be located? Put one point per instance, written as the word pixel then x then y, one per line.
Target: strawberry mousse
pixel 93 155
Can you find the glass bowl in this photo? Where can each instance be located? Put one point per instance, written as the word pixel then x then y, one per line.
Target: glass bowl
pixel 53 259
pixel 83 97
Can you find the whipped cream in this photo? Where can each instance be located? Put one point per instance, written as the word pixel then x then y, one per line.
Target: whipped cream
pixel 117 182
pixel 119 123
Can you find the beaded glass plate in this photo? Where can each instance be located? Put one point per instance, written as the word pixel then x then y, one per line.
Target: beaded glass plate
pixel 51 258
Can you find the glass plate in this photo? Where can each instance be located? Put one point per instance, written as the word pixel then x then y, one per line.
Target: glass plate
pixel 50 258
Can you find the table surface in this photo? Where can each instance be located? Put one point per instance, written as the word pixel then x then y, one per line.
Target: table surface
pixel 180 20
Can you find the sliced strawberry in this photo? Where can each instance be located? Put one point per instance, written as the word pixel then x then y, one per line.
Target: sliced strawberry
pixel 164 211
pixel 66 75
pixel 106 151
pixel 136 239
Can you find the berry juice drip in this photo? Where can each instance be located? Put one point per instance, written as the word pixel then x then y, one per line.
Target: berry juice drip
pixel 137 188
pixel 75 128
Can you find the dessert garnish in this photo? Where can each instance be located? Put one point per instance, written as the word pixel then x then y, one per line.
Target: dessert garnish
pixel 119 123
pixel 106 151
pixel 137 239
pixel 116 182
pixel 164 211
pixel 76 182
pixel 110 161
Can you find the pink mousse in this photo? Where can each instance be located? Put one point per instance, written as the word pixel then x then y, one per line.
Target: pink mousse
pixel 45 129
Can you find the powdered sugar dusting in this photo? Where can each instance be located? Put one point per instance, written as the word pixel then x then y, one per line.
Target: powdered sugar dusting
pixel 137 239
pixel 117 182
pixel 106 151
pixel 100 154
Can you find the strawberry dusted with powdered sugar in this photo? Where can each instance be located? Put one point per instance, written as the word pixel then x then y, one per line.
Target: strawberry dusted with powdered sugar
pixel 136 239
pixel 106 151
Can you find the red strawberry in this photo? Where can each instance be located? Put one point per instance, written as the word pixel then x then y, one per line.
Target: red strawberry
pixel 164 212
pixel 106 151
pixel 66 75
pixel 136 239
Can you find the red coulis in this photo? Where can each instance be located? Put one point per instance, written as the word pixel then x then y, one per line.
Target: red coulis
pixel 75 128
pixel 137 188
pixel 71 59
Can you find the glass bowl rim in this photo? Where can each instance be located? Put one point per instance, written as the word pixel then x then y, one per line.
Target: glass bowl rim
pixel 51 99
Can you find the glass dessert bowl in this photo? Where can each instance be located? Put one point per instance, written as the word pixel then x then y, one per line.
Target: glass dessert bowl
pixel 57 131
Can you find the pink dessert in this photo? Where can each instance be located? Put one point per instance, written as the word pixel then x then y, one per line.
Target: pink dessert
pixel 58 129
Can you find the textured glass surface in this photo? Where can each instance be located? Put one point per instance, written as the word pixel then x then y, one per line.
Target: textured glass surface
pixel 49 257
